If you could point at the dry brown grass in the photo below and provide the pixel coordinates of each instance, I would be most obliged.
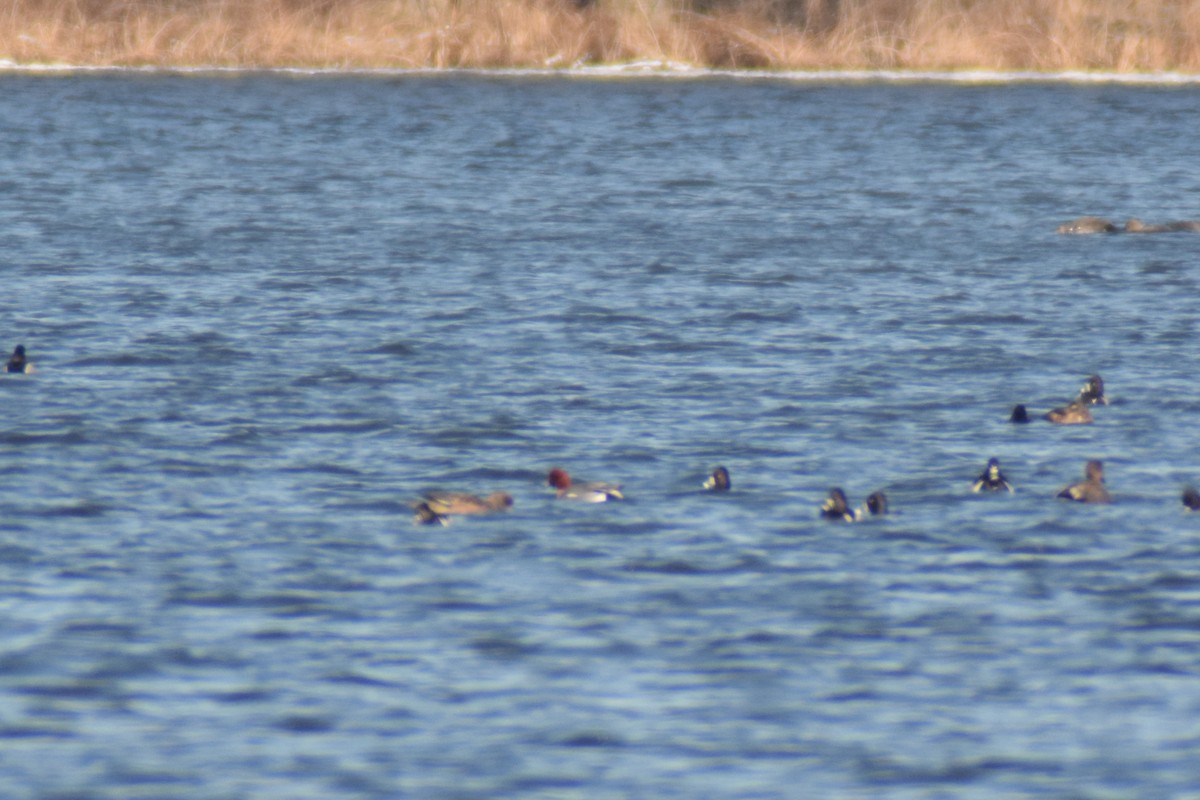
(1049, 35)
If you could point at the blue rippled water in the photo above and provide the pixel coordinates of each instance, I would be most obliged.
(268, 311)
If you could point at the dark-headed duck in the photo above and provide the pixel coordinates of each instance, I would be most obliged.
(1091, 489)
(1093, 391)
(718, 481)
(1191, 499)
(877, 504)
(586, 491)
(1019, 414)
(991, 479)
(435, 507)
(1074, 413)
(17, 362)
(835, 507)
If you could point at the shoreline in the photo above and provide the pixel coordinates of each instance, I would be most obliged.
(774, 37)
(649, 70)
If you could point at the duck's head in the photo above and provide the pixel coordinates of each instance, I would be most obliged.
(559, 479)
(1019, 414)
(1094, 471)
(19, 351)
(877, 503)
(1191, 499)
(718, 481)
(499, 500)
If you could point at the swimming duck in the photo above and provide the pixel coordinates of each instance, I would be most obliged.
(1074, 413)
(588, 492)
(991, 479)
(877, 504)
(1134, 225)
(1093, 391)
(1019, 414)
(718, 481)
(435, 507)
(18, 363)
(835, 507)
(1191, 499)
(1087, 225)
(1187, 225)
(1091, 489)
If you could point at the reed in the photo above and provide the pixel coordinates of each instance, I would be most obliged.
(1049, 35)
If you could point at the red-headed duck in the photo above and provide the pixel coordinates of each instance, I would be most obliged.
(586, 491)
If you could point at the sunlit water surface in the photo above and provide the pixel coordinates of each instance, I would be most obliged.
(269, 311)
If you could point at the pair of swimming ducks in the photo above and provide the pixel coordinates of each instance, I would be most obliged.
(1090, 490)
(1101, 225)
(1077, 412)
(438, 507)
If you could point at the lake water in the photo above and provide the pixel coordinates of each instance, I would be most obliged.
(268, 311)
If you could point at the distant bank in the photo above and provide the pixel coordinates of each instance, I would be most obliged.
(1121, 36)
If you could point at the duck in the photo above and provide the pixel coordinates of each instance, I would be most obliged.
(585, 491)
(1074, 413)
(1091, 489)
(17, 362)
(1019, 414)
(877, 504)
(1093, 391)
(718, 481)
(836, 508)
(435, 507)
(1191, 499)
(1135, 225)
(1087, 225)
(991, 479)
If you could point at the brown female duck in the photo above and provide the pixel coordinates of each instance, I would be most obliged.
(1091, 489)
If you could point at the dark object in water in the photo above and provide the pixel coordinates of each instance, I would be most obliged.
(718, 481)
(1093, 391)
